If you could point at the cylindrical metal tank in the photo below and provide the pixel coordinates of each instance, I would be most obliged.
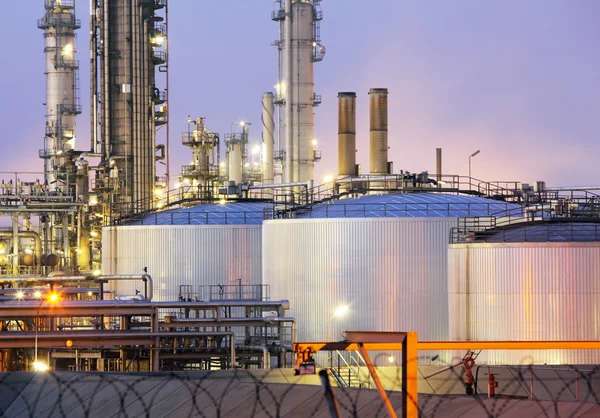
(235, 162)
(268, 132)
(383, 256)
(526, 291)
(346, 134)
(378, 131)
(202, 245)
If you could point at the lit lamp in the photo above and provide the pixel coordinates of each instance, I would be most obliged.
(338, 313)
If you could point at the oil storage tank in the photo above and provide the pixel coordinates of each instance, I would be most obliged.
(533, 282)
(381, 260)
(207, 244)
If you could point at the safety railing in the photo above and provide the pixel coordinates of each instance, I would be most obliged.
(195, 293)
(193, 218)
(362, 210)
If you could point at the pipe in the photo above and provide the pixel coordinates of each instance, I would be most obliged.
(284, 304)
(222, 322)
(149, 288)
(265, 351)
(289, 97)
(378, 131)
(346, 134)
(438, 166)
(281, 185)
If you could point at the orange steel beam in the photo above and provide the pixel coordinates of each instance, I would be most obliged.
(508, 345)
(452, 345)
(386, 401)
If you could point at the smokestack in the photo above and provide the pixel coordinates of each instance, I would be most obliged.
(346, 134)
(378, 131)
(438, 165)
(268, 132)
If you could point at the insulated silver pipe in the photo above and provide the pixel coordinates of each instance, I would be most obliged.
(149, 293)
(289, 96)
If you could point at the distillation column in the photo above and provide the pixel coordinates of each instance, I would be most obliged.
(59, 25)
(128, 95)
(268, 125)
(378, 131)
(300, 48)
(346, 134)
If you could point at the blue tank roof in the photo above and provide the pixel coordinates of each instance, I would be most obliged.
(231, 213)
(409, 205)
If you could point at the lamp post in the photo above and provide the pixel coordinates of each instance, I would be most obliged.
(471, 156)
(38, 366)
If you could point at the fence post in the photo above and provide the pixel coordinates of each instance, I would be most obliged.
(576, 385)
(531, 383)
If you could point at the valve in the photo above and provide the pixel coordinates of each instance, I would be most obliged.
(492, 384)
(468, 363)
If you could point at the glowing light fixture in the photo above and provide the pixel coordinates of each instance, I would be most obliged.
(341, 311)
(38, 366)
(20, 295)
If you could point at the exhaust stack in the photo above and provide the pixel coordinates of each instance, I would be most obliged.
(346, 134)
(378, 131)
(268, 126)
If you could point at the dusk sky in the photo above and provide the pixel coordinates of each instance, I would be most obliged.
(517, 79)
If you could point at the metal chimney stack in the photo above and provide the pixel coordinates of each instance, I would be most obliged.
(378, 131)
(438, 165)
(346, 134)
(268, 127)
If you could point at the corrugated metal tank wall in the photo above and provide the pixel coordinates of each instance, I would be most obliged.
(526, 291)
(183, 255)
(392, 273)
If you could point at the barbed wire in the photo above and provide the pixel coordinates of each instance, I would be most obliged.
(545, 391)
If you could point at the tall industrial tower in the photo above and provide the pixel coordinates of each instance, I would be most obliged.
(129, 41)
(299, 47)
(59, 25)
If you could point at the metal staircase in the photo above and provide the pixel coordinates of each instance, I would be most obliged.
(347, 372)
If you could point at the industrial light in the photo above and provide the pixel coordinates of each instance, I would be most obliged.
(90, 293)
(328, 179)
(247, 165)
(67, 49)
(177, 185)
(20, 295)
(391, 359)
(93, 201)
(158, 192)
(222, 201)
(160, 205)
(37, 294)
(93, 234)
(242, 124)
(78, 250)
(53, 297)
(314, 44)
(3, 251)
(39, 366)
(256, 149)
(97, 273)
(186, 181)
(341, 311)
(28, 251)
(314, 142)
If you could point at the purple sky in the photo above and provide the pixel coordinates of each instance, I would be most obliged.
(517, 79)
